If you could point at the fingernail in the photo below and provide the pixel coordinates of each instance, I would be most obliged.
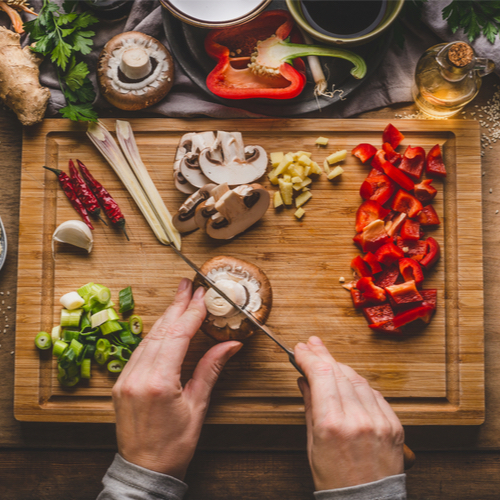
(183, 285)
(200, 292)
(302, 346)
(315, 340)
(236, 347)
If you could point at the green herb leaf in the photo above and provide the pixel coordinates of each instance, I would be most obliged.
(61, 53)
(82, 41)
(84, 94)
(84, 20)
(79, 112)
(66, 19)
(75, 75)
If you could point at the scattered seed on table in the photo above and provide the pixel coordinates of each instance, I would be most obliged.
(491, 190)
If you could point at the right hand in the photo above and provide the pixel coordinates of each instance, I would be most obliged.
(353, 435)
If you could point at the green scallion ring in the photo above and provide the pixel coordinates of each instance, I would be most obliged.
(135, 323)
(103, 345)
(115, 366)
(101, 356)
(43, 341)
(59, 347)
(85, 368)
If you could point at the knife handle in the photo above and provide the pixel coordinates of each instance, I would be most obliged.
(409, 457)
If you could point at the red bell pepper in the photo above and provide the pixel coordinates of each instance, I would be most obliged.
(413, 162)
(370, 291)
(373, 236)
(378, 188)
(392, 156)
(430, 297)
(389, 254)
(260, 66)
(360, 267)
(406, 203)
(428, 216)
(410, 230)
(389, 276)
(434, 164)
(424, 192)
(374, 264)
(357, 299)
(410, 270)
(385, 327)
(378, 314)
(404, 293)
(364, 151)
(378, 159)
(414, 249)
(393, 226)
(423, 312)
(432, 255)
(397, 176)
(367, 212)
(392, 135)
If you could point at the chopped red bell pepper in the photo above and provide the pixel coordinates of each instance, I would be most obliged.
(389, 254)
(367, 212)
(410, 230)
(430, 297)
(428, 216)
(359, 300)
(404, 293)
(378, 188)
(393, 226)
(364, 151)
(385, 327)
(374, 264)
(413, 162)
(397, 176)
(392, 135)
(370, 291)
(378, 314)
(410, 270)
(432, 255)
(373, 236)
(378, 159)
(406, 203)
(414, 249)
(392, 156)
(424, 192)
(434, 164)
(389, 276)
(421, 312)
(360, 267)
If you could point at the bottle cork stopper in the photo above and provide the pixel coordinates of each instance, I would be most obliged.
(460, 54)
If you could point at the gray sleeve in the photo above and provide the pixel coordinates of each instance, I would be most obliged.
(389, 488)
(126, 481)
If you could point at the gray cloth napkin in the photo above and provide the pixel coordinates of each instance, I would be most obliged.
(390, 84)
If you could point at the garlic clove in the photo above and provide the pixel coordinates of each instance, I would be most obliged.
(74, 232)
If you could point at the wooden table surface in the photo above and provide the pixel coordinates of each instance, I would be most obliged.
(67, 461)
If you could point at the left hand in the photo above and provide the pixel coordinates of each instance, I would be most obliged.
(158, 422)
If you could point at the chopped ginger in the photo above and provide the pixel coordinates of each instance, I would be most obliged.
(299, 213)
(335, 173)
(322, 141)
(276, 159)
(303, 198)
(277, 200)
(336, 157)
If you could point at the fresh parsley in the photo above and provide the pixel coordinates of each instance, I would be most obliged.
(64, 36)
(474, 17)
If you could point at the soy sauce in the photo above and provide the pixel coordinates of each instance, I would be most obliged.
(344, 17)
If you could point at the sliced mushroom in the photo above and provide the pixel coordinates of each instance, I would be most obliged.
(237, 210)
(228, 160)
(246, 285)
(184, 220)
(135, 71)
(183, 148)
(206, 209)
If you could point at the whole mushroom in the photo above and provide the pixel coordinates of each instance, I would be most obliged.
(246, 285)
(135, 71)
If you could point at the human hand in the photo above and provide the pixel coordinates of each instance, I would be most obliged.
(353, 435)
(158, 422)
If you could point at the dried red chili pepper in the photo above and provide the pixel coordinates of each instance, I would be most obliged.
(109, 205)
(84, 193)
(70, 192)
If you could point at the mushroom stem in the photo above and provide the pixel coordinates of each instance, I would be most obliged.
(135, 63)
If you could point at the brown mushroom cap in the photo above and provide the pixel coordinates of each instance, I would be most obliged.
(246, 329)
(149, 95)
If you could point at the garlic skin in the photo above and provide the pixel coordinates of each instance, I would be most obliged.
(73, 232)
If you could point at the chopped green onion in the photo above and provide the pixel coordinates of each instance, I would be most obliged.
(86, 323)
(43, 341)
(102, 316)
(101, 356)
(123, 353)
(72, 370)
(71, 318)
(127, 337)
(85, 368)
(103, 345)
(126, 299)
(69, 335)
(68, 382)
(89, 333)
(116, 366)
(76, 346)
(89, 353)
(56, 333)
(89, 339)
(85, 291)
(135, 323)
(96, 307)
(110, 327)
(101, 294)
(67, 358)
(59, 348)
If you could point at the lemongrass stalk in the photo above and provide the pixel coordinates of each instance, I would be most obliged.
(105, 143)
(128, 144)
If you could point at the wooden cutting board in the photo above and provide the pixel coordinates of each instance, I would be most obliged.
(433, 377)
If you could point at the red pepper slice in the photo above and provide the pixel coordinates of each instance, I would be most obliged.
(404, 293)
(397, 176)
(392, 135)
(414, 249)
(430, 297)
(392, 156)
(406, 203)
(358, 299)
(389, 276)
(434, 164)
(373, 237)
(370, 291)
(389, 254)
(411, 270)
(413, 162)
(378, 314)
(378, 159)
(393, 226)
(421, 312)
(432, 255)
(410, 230)
(424, 192)
(428, 216)
(378, 188)
(385, 327)
(360, 267)
(369, 211)
(364, 151)
(374, 264)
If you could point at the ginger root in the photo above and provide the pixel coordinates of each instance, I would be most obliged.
(20, 88)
